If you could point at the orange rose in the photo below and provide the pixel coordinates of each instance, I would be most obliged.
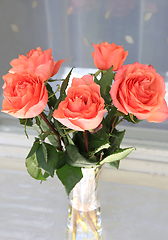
(25, 95)
(140, 90)
(106, 55)
(37, 61)
(83, 108)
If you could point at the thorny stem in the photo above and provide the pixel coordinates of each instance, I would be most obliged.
(112, 123)
(119, 122)
(51, 127)
(86, 141)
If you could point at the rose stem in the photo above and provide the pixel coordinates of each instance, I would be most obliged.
(86, 141)
(112, 123)
(97, 73)
(119, 122)
(51, 127)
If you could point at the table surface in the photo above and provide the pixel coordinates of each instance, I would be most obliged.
(30, 210)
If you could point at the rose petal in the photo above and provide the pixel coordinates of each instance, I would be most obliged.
(44, 71)
(98, 59)
(83, 108)
(56, 67)
(159, 115)
(38, 61)
(106, 55)
(139, 90)
(88, 124)
(67, 122)
(26, 96)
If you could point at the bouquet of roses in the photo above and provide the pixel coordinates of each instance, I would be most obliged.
(77, 127)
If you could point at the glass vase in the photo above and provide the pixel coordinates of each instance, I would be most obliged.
(84, 216)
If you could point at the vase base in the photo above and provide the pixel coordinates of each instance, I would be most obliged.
(84, 225)
(81, 236)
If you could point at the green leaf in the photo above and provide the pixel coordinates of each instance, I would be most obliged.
(115, 141)
(117, 137)
(47, 131)
(110, 116)
(26, 121)
(70, 141)
(62, 156)
(131, 118)
(32, 168)
(105, 85)
(32, 163)
(96, 142)
(46, 175)
(79, 141)
(69, 176)
(76, 159)
(102, 134)
(47, 158)
(53, 140)
(51, 100)
(120, 154)
(65, 82)
(63, 88)
(34, 148)
(105, 146)
(43, 124)
(114, 164)
(54, 159)
(44, 156)
(60, 128)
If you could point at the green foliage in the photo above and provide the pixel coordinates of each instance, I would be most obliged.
(105, 83)
(106, 80)
(32, 163)
(110, 116)
(114, 164)
(62, 132)
(69, 176)
(76, 159)
(26, 121)
(44, 131)
(33, 170)
(46, 158)
(63, 88)
(51, 96)
(131, 118)
(115, 140)
(96, 141)
(118, 155)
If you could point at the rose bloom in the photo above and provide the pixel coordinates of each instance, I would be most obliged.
(106, 55)
(140, 90)
(37, 61)
(25, 95)
(83, 108)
